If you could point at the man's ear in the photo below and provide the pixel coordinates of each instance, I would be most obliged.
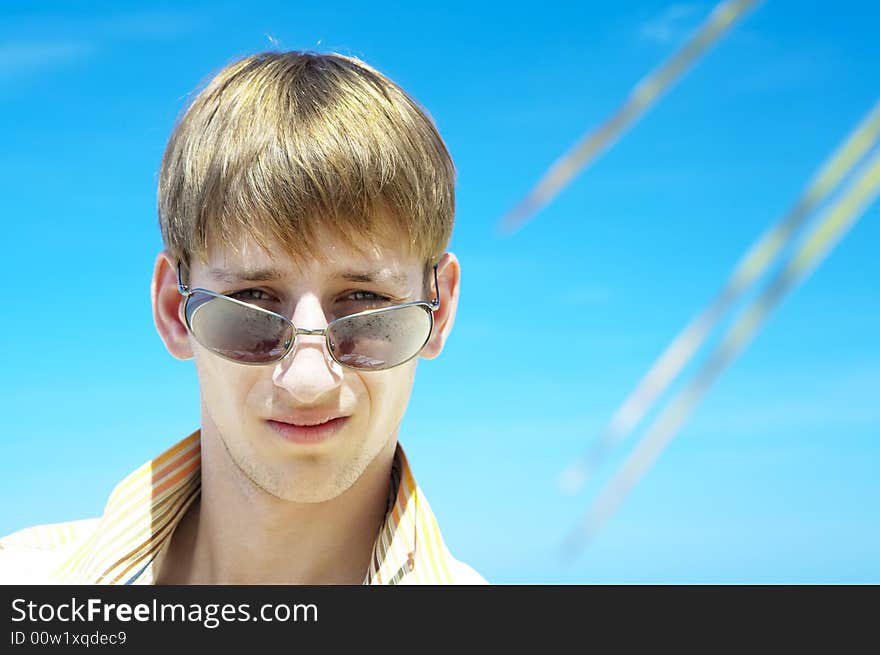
(449, 278)
(166, 307)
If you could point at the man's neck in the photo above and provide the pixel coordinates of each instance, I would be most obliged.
(236, 536)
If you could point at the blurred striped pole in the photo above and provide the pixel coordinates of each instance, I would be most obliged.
(842, 215)
(640, 99)
(751, 267)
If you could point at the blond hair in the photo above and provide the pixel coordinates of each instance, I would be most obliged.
(281, 144)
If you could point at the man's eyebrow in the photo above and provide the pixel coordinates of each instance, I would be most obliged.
(271, 275)
(400, 279)
(247, 275)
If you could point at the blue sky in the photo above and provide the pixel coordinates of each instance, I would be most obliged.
(773, 479)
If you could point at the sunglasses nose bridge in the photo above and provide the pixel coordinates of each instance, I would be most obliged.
(316, 333)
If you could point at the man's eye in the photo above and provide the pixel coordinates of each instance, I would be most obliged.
(248, 295)
(367, 296)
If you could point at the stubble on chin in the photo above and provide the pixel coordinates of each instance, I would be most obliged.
(252, 479)
(256, 479)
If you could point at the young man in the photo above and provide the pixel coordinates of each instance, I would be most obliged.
(305, 204)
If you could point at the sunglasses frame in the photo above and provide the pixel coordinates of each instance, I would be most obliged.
(430, 306)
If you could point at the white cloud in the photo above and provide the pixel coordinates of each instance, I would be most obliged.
(27, 58)
(832, 400)
(143, 25)
(41, 43)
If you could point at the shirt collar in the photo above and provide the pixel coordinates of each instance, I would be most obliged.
(146, 506)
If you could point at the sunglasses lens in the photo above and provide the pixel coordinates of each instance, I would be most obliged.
(382, 339)
(237, 331)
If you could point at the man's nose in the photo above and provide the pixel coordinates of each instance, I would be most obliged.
(308, 372)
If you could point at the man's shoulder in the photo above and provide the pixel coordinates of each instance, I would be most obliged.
(464, 574)
(28, 556)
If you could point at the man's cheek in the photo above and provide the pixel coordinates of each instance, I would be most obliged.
(222, 395)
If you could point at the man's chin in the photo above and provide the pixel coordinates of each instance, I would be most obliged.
(303, 477)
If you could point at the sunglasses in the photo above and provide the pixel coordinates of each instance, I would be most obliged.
(372, 340)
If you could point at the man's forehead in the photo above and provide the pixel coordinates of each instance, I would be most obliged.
(255, 265)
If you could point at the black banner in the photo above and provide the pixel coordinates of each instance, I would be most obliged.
(262, 617)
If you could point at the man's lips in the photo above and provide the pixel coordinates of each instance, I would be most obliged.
(308, 434)
(307, 419)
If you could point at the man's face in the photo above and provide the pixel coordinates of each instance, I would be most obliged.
(238, 399)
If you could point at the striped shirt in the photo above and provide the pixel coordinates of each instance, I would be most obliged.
(126, 545)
